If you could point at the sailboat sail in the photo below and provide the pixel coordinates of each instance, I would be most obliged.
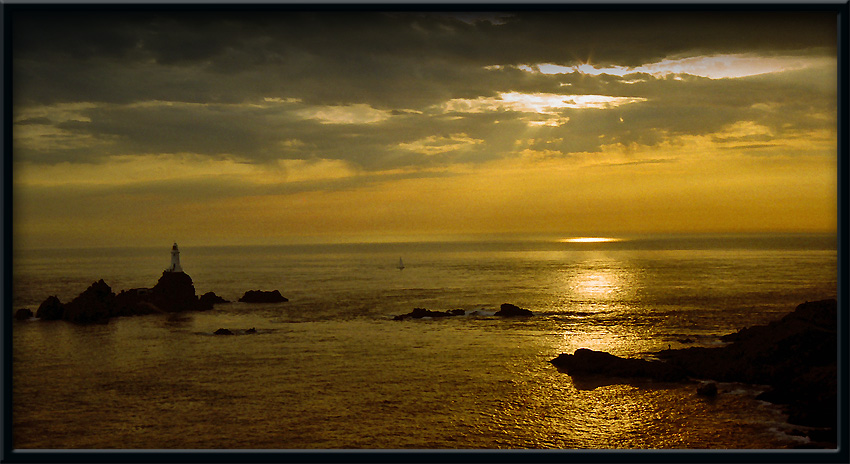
(400, 264)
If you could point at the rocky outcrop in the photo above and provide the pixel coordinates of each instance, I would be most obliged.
(23, 314)
(50, 309)
(207, 300)
(174, 292)
(260, 296)
(796, 356)
(95, 304)
(134, 302)
(509, 310)
(419, 313)
(223, 331)
(506, 310)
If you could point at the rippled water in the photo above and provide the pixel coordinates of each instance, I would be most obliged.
(331, 369)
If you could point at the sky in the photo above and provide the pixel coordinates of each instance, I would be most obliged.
(262, 127)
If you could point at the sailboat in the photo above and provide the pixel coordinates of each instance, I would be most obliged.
(400, 264)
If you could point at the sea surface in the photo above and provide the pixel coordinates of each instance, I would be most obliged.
(331, 369)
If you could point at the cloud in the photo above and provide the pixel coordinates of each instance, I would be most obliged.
(280, 103)
(712, 67)
(437, 144)
(348, 114)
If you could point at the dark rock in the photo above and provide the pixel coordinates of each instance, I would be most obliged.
(589, 362)
(259, 296)
(796, 356)
(134, 302)
(23, 314)
(95, 304)
(251, 331)
(50, 309)
(707, 389)
(419, 313)
(509, 310)
(207, 300)
(223, 331)
(174, 292)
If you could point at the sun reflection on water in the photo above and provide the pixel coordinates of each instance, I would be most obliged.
(599, 280)
(595, 284)
(597, 296)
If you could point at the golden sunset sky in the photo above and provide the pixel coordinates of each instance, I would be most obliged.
(226, 127)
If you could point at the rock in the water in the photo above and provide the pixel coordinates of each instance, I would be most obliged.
(509, 310)
(707, 389)
(95, 304)
(23, 314)
(174, 292)
(223, 331)
(419, 313)
(589, 362)
(260, 296)
(134, 302)
(251, 331)
(207, 300)
(50, 309)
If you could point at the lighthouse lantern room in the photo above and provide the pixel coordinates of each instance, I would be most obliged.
(175, 260)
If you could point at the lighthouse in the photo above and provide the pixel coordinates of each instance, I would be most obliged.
(175, 260)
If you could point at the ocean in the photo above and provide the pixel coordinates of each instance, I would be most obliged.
(331, 369)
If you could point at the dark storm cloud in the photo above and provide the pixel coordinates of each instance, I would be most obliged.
(215, 69)
(368, 51)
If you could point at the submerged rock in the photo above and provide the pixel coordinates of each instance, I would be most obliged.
(260, 296)
(223, 331)
(23, 314)
(509, 310)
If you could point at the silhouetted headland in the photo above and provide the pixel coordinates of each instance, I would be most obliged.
(795, 356)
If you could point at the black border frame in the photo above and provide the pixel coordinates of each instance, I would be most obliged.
(841, 454)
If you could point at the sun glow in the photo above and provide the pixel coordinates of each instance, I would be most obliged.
(589, 240)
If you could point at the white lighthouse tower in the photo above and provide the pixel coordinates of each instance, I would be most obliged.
(175, 260)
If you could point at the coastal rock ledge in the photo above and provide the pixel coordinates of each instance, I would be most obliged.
(795, 356)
